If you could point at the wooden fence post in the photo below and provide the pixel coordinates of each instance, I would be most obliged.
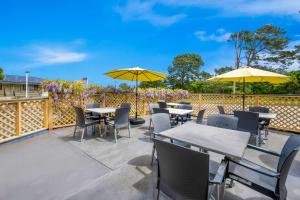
(104, 99)
(50, 113)
(256, 100)
(18, 118)
(46, 115)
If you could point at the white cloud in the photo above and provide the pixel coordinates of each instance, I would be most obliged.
(138, 10)
(58, 55)
(219, 36)
(51, 53)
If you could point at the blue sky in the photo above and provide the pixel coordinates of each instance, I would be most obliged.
(67, 39)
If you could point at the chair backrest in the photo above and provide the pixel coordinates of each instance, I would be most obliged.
(184, 102)
(288, 153)
(248, 121)
(200, 116)
(125, 105)
(80, 118)
(121, 117)
(161, 122)
(292, 143)
(92, 105)
(162, 104)
(259, 109)
(182, 173)
(223, 121)
(160, 110)
(185, 107)
(221, 109)
(151, 106)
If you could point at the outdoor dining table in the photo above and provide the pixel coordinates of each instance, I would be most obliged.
(105, 110)
(263, 115)
(231, 143)
(179, 112)
(102, 111)
(267, 115)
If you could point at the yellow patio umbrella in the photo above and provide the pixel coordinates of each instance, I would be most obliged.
(249, 75)
(136, 74)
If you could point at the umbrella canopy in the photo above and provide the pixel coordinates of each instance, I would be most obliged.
(136, 74)
(250, 75)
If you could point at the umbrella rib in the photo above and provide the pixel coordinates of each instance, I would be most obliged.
(120, 74)
(146, 76)
(155, 74)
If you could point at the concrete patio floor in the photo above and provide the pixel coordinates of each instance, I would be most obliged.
(54, 165)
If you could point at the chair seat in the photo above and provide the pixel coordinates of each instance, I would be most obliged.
(257, 178)
(89, 122)
(95, 117)
(112, 123)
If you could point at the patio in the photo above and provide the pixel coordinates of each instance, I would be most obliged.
(54, 165)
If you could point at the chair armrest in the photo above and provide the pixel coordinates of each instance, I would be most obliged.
(257, 168)
(268, 151)
(221, 172)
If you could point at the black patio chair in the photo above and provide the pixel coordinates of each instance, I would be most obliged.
(162, 104)
(249, 122)
(184, 173)
(121, 120)
(200, 116)
(126, 105)
(174, 119)
(264, 122)
(92, 115)
(221, 110)
(186, 107)
(161, 122)
(151, 106)
(223, 121)
(160, 110)
(82, 122)
(268, 182)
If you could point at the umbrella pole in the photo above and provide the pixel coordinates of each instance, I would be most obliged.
(244, 94)
(136, 96)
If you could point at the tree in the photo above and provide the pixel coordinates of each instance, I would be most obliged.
(1, 74)
(255, 48)
(153, 84)
(124, 86)
(223, 70)
(204, 75)
(185, 70)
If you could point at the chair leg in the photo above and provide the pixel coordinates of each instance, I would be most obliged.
(129, 130)
(230, 185)
(75, 131)
(115, 132)
(158, 191)
(153, 151)
(82, 133)
(150, 124)
(105, 130)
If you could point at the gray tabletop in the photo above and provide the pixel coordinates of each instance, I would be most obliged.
(102, 110)
(176, 111)
(227, 142)
(267, 115)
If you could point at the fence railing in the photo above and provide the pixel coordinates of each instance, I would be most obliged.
(22, 117)
(25, 116)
